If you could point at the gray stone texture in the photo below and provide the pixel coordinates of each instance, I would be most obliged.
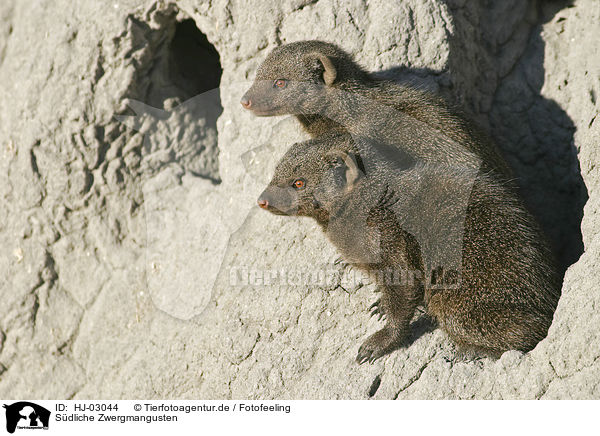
(128, 187)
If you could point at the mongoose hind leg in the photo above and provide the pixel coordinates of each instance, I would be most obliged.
(486, 328)
(398, 308)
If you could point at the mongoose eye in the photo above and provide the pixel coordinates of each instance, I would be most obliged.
(280, 83)
(298, 184)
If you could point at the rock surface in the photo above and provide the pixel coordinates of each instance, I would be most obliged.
(135, 264)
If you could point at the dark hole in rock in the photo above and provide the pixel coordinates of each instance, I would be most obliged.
(195, 62)
(180, 92)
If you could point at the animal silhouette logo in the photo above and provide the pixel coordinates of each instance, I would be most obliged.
(26, 415)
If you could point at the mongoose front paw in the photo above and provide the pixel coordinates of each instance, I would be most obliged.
(376, 311)
(379, 344)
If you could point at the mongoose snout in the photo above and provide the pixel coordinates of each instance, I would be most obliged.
(268, 97)
(279, 201)
(256, 100)
(246, 102)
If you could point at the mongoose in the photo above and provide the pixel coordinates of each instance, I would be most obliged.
(505, 291)
(326, 90)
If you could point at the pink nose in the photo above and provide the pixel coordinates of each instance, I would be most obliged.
(263, 204)
(246, 102)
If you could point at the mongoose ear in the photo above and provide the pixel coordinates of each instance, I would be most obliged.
(323, 62)
(353, 172)
(330, 72)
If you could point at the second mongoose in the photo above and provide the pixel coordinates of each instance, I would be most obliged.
(500, 291)
(326, 90)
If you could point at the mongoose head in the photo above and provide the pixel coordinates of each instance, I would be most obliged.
(295, 78)
(312, 179)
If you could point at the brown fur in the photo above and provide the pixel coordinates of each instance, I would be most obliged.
(416, 219)
(326, 90)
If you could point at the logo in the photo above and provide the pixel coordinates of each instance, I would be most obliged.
(26, 415)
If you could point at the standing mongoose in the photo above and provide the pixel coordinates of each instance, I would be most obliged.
(326, 90)
(505, 291)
